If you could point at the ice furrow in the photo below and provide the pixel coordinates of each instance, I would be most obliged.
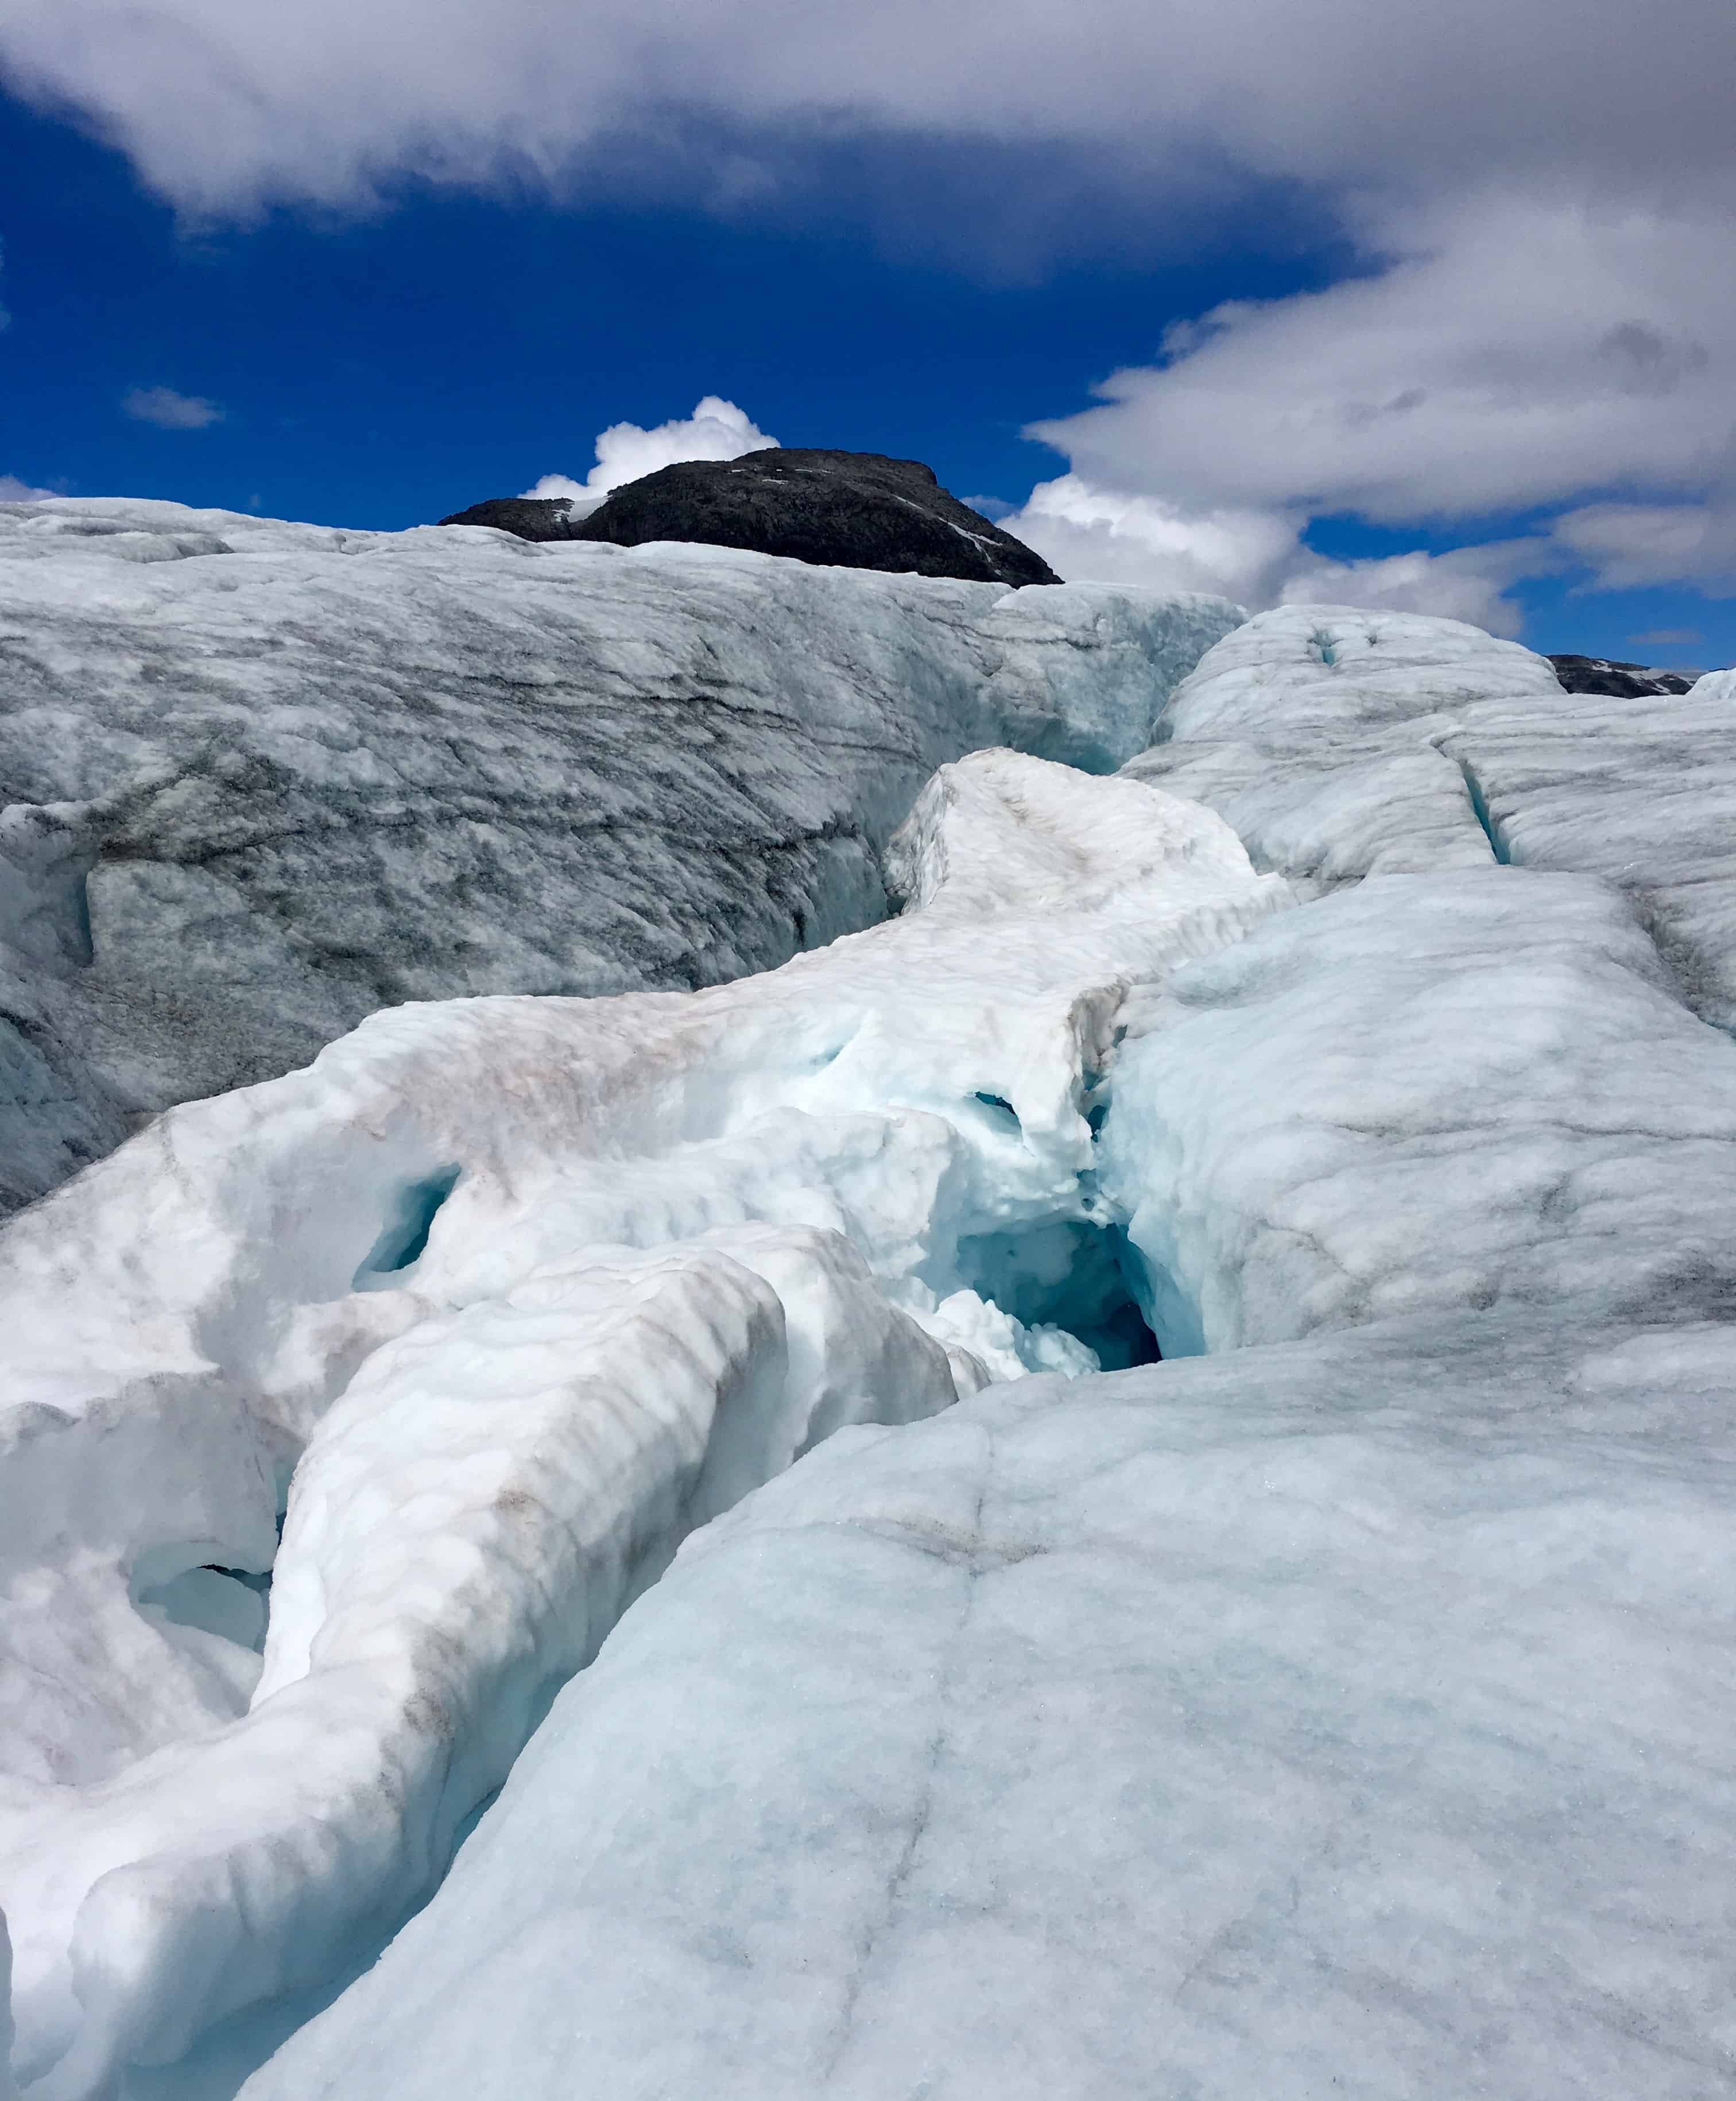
(512, 1294)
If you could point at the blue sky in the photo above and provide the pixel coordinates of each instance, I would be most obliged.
(1402, 370)
(381, 369)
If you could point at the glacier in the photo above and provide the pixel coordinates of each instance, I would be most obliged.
(504, 1296)
(735, 1630)
(1345, 1716)
(1342, 744)
(263, 779)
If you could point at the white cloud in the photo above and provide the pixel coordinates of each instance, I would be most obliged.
(716, 430)
(225, 103)
(1511, 357)
(1259, 558)
(1465, 583)
(1629, 546)
(170, 411)
(12, 490)
(1511, 354)
(1088, 530)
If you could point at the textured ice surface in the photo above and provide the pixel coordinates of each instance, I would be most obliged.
(1340, 744)
(258, 780)
(521, 1290)
(1341, 1706)
(1345, 1717)
(1346, 1714)
(1466, 1090)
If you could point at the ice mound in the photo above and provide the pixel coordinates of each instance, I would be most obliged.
(509, 1295)
(1340, 744)
(1344, 1713)
(1338, 1705)
(259, 779)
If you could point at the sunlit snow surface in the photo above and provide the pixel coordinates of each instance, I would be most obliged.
(1341, 1706)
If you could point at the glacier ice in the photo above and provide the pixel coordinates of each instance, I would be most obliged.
(1427, 744)
(1339, 1705)
(1343, 1710)
(1422, 1093)
(509, 1294)
(1345, 1716)
(261, 779)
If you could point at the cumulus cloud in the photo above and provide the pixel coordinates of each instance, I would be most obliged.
(1260, 559)
(716, 430)
(1511, 357)
(1464, 583)
(1511, 353)
(1095, 530)
(170, 411)
(12, 490)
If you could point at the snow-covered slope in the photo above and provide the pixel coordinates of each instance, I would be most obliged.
(258, 780)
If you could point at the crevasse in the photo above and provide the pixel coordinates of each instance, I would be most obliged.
(504, 1297)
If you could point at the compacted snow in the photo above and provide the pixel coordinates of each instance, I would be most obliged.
(261, 779)
(1339, 1705)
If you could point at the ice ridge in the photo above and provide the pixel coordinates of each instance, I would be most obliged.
(661, 1394)
(682, 1238)
(260, 779)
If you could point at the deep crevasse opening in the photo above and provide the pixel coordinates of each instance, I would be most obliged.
(1070, 1274)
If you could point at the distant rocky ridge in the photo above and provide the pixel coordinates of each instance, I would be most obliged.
(1624, 682)
(852, 510)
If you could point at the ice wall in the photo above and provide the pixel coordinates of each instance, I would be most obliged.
(259, 779)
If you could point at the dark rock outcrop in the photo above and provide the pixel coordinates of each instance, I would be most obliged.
(1625, 682)
(529, 517)
(853, 510)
